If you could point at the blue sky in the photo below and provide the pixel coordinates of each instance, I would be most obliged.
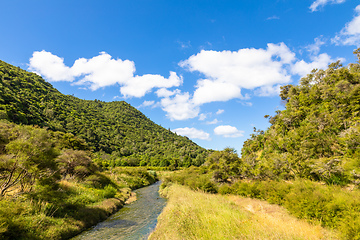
(209, 70)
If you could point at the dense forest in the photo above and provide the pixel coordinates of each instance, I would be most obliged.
(119, 134)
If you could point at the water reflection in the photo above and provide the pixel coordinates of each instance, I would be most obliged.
(134, 221)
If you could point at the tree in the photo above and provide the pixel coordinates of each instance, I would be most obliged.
(75, 163)
(29, 157)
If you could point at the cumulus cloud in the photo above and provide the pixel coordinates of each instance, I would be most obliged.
(100, 71)
(227, 72)
(212, 91)
(321, 3)
(350, 34)
(192, 133)
(51, 67)
(138, 86)
(180, 107)
(224, 75)
(267, 91)
(303, 68)
(228, 131)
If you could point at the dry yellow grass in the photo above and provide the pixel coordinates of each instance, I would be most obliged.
(197, 215)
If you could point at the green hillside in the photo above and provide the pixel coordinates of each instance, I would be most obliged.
(317, 136)
(119, 133)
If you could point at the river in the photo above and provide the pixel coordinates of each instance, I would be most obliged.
(133, 221)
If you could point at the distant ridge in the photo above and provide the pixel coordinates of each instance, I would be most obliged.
(114, 128)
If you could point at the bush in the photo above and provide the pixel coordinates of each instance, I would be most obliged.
(109, 192)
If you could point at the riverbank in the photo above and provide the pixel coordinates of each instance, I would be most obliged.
(73, 207)
(197, 215)
(132, 222)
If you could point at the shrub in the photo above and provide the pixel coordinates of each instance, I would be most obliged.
(109, 192)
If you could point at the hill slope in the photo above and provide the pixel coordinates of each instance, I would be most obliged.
(114, 128)
(317, 136)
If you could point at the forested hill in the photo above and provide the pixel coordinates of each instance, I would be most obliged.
(115, 128)
(317, 136)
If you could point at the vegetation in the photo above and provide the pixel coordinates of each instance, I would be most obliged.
(59, 174)
(308, 160)
(120, 134)
(316, 136)
(331, 206)
(50, 191)
(197, 215)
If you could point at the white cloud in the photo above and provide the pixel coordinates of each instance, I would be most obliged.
(163, 92)
(192, 133)
(314, 48)
(100, 71)
(202, 116)
(138, 86)
(50, 66)
(228, 131)
(212, 91)
(273, 18)
(147, 104)
(267, 91)
(350, 34)
(303, 68)
(220, 111)
(318, 61)
(180, 107)
(224, 76)
(320, 3)
(215, 121)
(184, 44)
(248, 104)
(228, 72)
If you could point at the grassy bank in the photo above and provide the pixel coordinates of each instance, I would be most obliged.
(70, 209)
(331, 206)
(197, 215)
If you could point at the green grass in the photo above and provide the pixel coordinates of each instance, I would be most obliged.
(331, 206)
(197, 215)
(72, 208)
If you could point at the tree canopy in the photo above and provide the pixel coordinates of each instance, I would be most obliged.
(317, 136)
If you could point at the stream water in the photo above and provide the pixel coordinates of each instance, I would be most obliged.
(133, 221)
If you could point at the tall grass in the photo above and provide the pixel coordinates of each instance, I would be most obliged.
(331, 206)
(75, 206)
(198, 215)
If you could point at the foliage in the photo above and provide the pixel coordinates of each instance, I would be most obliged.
(51, 192)
(134, 177)
(27, 158)
(316, 136)
(122, 135)
(331, 206)
(197, 215)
